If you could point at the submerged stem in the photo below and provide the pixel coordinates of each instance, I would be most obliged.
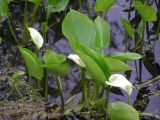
(34, 14)
(129, 99)
(10, 92)
(32, 87)
(12, 32)
(144, 114)
(58, 80)
(46, 86)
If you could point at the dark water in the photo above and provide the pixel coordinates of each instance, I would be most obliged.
(117, 36)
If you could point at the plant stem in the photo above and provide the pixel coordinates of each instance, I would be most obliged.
(148, 82)
(129, 99)
(107, 96)
(25, 33)
(82, 84)
(21, 84)
(12, 32)
(46, 86)
(32, 87)
(156, 37)
(58, 80)
(34, 14)
(10, 92)
(80, 5)
(144, 114)
(97, 90)
(89, 10)
(86, 96)
(19, 93)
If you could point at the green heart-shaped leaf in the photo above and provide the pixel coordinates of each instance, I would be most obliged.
(122, 111)
(78, 27)
(33, 63)
(147, 12)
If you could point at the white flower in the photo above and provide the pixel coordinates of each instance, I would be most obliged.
(36, 37)
(118, 80)
(76, 59)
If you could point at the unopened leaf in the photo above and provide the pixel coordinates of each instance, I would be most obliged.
(17, 74)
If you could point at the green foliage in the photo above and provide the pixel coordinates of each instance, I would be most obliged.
(97, 57)
(101, 103)
(128, 27)
(44, 27)
(93, 68)
(33, 64)
(36, 2)
(3, 8)
(78, 27)
(57, 5)
(116, 65)
(55, 62)
(122, 111)
(147, 12)
(125, 56)
(17, 74)
(102, 33)
(103, 5)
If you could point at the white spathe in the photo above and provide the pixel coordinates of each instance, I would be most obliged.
(76, 59)
(36, 37)
(118, 80)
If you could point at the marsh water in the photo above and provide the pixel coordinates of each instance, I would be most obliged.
(146, 98)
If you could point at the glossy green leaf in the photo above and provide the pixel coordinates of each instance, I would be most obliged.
(147, 12)
(33, 63)
(122, 111)
(97, 57)
(93, 68)
(36, 2)
(57, 5)
(103, 5)
(3, 8)
(52, 57)
(116, 65)
(55, 62)
(78, 27)
(128, 27)
(102, 33)
(59, 69)
(125, 56)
